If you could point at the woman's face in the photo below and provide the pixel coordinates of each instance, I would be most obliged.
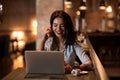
(58, 27)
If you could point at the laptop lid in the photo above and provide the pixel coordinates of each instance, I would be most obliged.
(44, 62)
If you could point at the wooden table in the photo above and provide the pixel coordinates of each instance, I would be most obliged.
(20, 73)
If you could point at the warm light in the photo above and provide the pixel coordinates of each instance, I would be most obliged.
(18, 38)
(18, 62)
(15, 44)
(15, 34)
(1, 7)
(34, 24)
(21, 44)
(84, 0)
(20, 58)
(109, 9)
(83, 5)
(83, 8)
(18, 34)
(77, 12)
(77, 20)
(68, 4)
(102, 7)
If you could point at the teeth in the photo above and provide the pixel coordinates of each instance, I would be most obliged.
(58, 32)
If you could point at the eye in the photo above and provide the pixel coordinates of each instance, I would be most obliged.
(54, 25)
(62, 25)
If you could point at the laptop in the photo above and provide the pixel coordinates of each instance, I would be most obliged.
(44, 64)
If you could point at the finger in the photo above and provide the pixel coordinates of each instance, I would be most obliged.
(65, 63)
(48, 30)
(68, 67)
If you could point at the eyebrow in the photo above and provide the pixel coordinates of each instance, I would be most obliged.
(60, 24)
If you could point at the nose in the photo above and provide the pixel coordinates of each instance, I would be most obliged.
(59, 27)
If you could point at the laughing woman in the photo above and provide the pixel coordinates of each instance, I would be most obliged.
(62, 37)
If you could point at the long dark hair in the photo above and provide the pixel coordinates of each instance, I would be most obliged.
(70, 35)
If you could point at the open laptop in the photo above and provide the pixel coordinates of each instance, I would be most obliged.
(44, 64)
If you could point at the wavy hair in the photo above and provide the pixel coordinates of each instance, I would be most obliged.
(70, 35)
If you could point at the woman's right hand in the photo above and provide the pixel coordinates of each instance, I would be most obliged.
(47, 34)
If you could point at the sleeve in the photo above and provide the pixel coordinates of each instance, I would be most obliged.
(48, 44)
(82, 54)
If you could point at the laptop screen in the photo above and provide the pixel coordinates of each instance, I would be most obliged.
(44, 62)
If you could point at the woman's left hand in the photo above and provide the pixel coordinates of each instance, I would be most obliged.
(68, 67)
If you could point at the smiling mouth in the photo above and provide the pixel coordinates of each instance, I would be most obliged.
(59, 33)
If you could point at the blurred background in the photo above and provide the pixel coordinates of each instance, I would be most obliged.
(100, 19)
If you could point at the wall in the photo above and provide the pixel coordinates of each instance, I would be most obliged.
(17, 16)
(44, 8)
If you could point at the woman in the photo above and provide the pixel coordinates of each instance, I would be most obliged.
(61, 37)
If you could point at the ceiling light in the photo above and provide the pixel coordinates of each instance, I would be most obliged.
(83, 5)
(102, 5)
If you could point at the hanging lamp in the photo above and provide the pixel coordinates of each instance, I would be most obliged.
(102, 5)
(83, 5)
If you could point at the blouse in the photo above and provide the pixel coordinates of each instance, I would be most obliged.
(70, 52)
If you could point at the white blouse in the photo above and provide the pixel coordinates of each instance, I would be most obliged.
(70, 53)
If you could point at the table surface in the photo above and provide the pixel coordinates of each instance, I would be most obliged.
(19, 74)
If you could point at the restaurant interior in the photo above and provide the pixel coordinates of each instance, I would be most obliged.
(21, 26)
